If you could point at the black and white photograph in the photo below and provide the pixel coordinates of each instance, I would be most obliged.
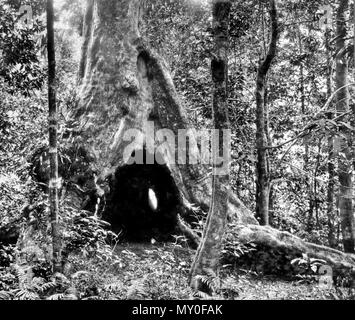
(177, 157)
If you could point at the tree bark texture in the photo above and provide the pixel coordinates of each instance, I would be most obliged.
(209, 251)
(276, 249)
(124, 84)
(262, 170)
(345, 154)
(53, 149)
(331, 159)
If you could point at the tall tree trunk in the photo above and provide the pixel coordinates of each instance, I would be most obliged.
(262, 172)
(305, 140)
(345, 154)
(208, 253)
(53, 150)
(310, 196)
(353, 105)
(331, 159)
(125, 86)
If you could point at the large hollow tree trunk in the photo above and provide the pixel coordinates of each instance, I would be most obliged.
(124, 84)
(262, 170)
(209, 251)
(345, 152)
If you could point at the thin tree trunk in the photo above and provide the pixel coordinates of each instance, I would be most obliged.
(272, 203)
(53, 150)
(331, 159)
(310, 189)
(315, 184)
(353, 105)
(344, 157)
(263, 179)
(208, 253)
(305, 140)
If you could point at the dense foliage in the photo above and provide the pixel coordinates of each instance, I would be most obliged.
(180, 30)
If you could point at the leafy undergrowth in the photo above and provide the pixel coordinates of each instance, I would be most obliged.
(264, 288)
(160, 271)
(144, 271)
(151, 271)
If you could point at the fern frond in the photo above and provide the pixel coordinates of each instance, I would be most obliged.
(210, 280)
(115, 286)
(137, 289)
(46, 286)
(21, 275)
(5, 295)
(24, 294)
(57, 296)
(201, 295)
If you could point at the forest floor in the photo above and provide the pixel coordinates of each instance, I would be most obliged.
(160, 271)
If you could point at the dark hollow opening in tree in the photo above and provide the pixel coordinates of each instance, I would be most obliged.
(143, 202)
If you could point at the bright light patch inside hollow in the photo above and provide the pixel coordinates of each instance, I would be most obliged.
(153, 201)
(143, 202)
